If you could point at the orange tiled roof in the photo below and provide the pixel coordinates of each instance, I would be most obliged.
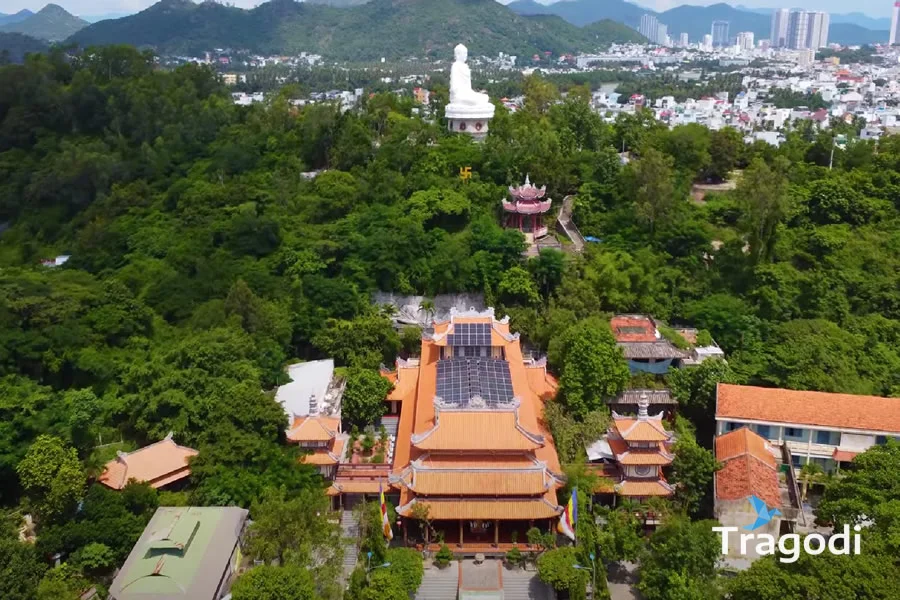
(313, 429)
(841, 411)
(844, 455)
(638, 430)
(325, 456)
(626, 328)
(358, 487)
(502, 509)
(634, 487)
(405, 380)
(744, 441)
(744, 476)
(486, 430)
(158, 464)
(500, 482)
(638, 456)
(748, 467)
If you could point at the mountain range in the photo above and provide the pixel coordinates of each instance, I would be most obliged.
(696, 21)
(380, 28)
(15, 18)
(14, 46)
(52, 23)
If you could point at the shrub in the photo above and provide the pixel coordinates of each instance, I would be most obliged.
(515, 557)
(443, 556)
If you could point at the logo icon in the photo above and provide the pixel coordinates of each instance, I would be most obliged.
(763, 513)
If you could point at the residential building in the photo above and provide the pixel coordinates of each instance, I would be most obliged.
(780, 24)
(817, 30)
(645, 348)
(631, 456)
(649, 27)
(798, 30)
(824, 428)
(185, 553)
(745, 40)
(719, 32)
(684, 41)
(894, 37)
(471, 445)
(161, 464)
(662, 35)
(750, 468)
(707, 43)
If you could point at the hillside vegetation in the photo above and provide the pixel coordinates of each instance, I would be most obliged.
(52, 23)
(381, 28)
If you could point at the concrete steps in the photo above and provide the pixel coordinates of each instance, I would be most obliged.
(524, 585)
(439, 584)
(350, 533)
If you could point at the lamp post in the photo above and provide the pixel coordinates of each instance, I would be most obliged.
(593, 570)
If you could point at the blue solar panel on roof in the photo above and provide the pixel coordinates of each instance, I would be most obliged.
(461, 379)
(470, 334)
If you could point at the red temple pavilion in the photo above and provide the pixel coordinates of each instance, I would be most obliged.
(525, 211)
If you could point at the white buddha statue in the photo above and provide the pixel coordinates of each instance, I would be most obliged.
(463, 99)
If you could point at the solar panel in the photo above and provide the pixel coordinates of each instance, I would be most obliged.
(470, 334)
(461, 379)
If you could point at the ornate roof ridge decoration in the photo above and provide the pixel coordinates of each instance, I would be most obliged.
(528, 191)
(657, 417)
(417, 465)
(659, 451)
(318, 420)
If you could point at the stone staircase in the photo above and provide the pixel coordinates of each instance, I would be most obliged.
(439, 584)
(350, 533)
(390, 423)
(565, 222)
(524, 585)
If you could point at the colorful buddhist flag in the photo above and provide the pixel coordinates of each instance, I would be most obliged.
(570, 515)
(385, 523)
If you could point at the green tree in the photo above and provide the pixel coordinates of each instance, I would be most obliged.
(407, 567)
(21, 568)
(557, 569)
(592, 366)
(649, 181)
(266, 582)
(725, 148)
(693, 469)
(62, 583)
(762, 196)
(52, 477)
(681, 561)
(517, 287)
(364, 395)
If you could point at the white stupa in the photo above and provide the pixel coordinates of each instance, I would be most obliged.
(469, 111)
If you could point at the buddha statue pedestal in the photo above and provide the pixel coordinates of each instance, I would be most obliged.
(469, 111)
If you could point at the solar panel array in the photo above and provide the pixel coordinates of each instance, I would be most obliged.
(470, 334)
(461, 379)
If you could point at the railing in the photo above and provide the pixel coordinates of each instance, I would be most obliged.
(793, 488)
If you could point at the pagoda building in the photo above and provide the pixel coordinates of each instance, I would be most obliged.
(632, 455)
(526, 209)
(471, 447)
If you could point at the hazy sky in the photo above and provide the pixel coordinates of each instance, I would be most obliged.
(874, 8)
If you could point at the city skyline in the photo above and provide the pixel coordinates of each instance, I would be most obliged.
(871, 8)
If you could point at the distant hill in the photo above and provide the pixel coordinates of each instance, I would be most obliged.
(849, 34)
(583, 12)
(863, 20)
(52, 23)
(15, 18)
(14, 47)
(697, 20)
(104, 17)
(338, 3)
(389, 28)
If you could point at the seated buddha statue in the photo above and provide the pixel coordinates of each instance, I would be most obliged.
(462, 97)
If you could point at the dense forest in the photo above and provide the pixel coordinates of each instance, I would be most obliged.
(202, 260)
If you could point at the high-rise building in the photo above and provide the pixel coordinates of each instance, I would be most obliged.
(745, 40)
(648, 28)
(798, 30)
(817, 30)
(719, 33)
(895, 25)
(779, 36)
(707, 43)
(685, 42)
(662, 34)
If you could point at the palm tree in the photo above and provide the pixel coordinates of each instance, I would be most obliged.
(427, 306)
(809, 473)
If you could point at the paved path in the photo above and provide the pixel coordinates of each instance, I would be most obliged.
(622, 577)
(350, 533)
(568, 226)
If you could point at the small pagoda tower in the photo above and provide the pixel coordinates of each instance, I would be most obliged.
(526, 209)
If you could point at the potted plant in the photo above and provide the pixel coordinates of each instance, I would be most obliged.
(443, 557)
(514, 558)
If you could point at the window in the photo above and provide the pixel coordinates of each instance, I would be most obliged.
(824, 437)
(763, 431)
(731, 426)
(881, 440)
(797, 460)
(795, 434)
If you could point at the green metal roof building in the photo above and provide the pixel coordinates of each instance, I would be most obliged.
(184, 553)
